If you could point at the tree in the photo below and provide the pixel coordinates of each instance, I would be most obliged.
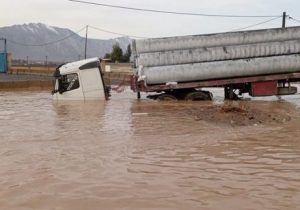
(127, 55)
(117, 53)
(107, 56)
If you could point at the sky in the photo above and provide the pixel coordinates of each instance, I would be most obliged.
(66, 14)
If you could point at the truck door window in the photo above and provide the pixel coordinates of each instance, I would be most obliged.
(68, 82)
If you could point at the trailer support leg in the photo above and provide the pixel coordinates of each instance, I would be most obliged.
(139, 95)
(229, 94)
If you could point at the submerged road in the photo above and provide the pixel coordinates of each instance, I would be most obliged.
(129, 154)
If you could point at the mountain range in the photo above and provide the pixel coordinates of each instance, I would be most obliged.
(38, 40)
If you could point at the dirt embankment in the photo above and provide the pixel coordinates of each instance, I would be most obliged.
(233, 115)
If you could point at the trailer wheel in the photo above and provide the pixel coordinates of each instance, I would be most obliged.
(199, 96)
(166, 97)
(287, 90)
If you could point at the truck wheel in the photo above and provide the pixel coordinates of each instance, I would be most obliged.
(166, 97)
(199, 96)
(287, 90)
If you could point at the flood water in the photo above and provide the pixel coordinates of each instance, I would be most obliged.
(129, 154)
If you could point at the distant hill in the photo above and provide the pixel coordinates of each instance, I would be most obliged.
(69, 49)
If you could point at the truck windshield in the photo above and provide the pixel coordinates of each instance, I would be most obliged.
(68, 82)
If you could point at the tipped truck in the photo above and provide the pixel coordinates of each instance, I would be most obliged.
(259, 62)
(81, 80)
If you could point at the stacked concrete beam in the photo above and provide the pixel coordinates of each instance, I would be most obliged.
(201, 57)
(215, 40)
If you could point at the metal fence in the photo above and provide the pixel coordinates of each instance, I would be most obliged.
(28, 62)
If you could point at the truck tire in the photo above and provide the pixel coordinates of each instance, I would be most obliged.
(166, 97)
(199, 96)
(287, 91)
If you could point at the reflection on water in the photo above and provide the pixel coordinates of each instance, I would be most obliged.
(129, 154)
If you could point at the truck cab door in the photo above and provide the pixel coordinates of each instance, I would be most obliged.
(92, 84)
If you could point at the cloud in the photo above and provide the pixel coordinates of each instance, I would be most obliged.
(64, 13)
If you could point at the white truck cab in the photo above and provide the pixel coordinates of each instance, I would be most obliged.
(80, 80)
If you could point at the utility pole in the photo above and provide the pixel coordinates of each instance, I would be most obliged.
(5, 46)
(86, 39)
(283, 19)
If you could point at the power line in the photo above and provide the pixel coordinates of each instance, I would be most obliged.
(116, 33)
(47, 43)
(131, 36)
(174, 12)
(140, 37)
(294, 19)
(257, 24)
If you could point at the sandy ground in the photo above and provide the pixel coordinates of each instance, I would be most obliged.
(235, 115)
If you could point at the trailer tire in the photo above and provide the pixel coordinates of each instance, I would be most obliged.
(199, 96)
(166, 97)
(287, 91)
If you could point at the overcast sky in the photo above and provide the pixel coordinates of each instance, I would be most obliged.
(66, 14)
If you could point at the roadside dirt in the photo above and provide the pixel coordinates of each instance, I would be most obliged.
(234, 115)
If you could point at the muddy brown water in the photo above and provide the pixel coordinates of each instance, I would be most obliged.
(129, 154)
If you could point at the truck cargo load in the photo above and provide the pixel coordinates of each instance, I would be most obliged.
(217, 56)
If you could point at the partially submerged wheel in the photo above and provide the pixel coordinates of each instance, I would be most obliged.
(287, 90)
(199, 96)
(166, 97)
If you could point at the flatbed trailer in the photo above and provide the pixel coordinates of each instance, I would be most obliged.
(263, 85)
(260, 62)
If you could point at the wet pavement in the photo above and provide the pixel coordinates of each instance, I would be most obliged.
(130, 154)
